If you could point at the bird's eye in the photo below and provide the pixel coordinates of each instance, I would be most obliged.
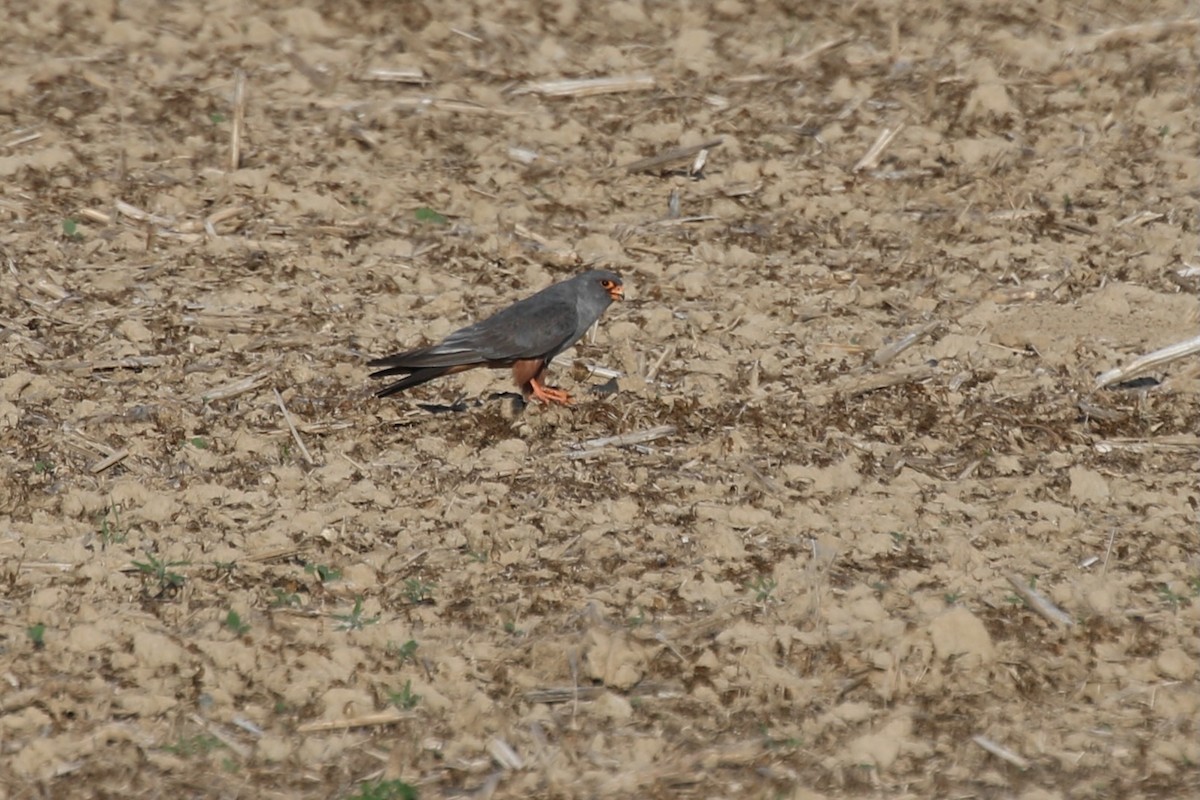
(607, 284)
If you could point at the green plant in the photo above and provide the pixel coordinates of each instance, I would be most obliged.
(199, 745)
(233, 621)
(1017, 600)
(70, 229)
(216, 117)
(284, 599)
(37, 635)
(786, 743)
(110, 532)
(405, 699)
(418, 592)
(197, 442)
(429, 217)
(42, 467)
(355, 621)
(161, 571)
(762, 587)
(1171, 597)
(405, 652)
(385, 790)
(324, 573)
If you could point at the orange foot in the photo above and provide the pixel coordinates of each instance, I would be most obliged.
(548, 394)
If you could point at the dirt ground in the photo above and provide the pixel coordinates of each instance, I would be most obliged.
(867, 384)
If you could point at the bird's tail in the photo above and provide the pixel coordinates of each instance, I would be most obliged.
(413, 377)
(422, 365)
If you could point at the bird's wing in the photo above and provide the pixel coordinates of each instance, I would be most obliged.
(536, 327)
(533, 328)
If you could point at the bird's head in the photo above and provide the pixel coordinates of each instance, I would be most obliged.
(612, 285)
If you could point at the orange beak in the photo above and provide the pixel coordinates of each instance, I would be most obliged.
(617, 292)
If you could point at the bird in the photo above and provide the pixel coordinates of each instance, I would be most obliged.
(525, 336)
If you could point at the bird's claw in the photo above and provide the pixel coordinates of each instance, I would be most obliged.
(548, 394)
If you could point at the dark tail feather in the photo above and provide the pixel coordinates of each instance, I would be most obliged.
(415, 377)
(394, 364)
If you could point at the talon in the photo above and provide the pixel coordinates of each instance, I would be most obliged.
(548, 394)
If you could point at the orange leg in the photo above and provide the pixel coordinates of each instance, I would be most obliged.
(526, 373)
(548, 394)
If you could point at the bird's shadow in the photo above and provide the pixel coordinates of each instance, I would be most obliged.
(461, 406)
(605, 389)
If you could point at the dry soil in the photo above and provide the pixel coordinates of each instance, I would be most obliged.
(873, 375)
